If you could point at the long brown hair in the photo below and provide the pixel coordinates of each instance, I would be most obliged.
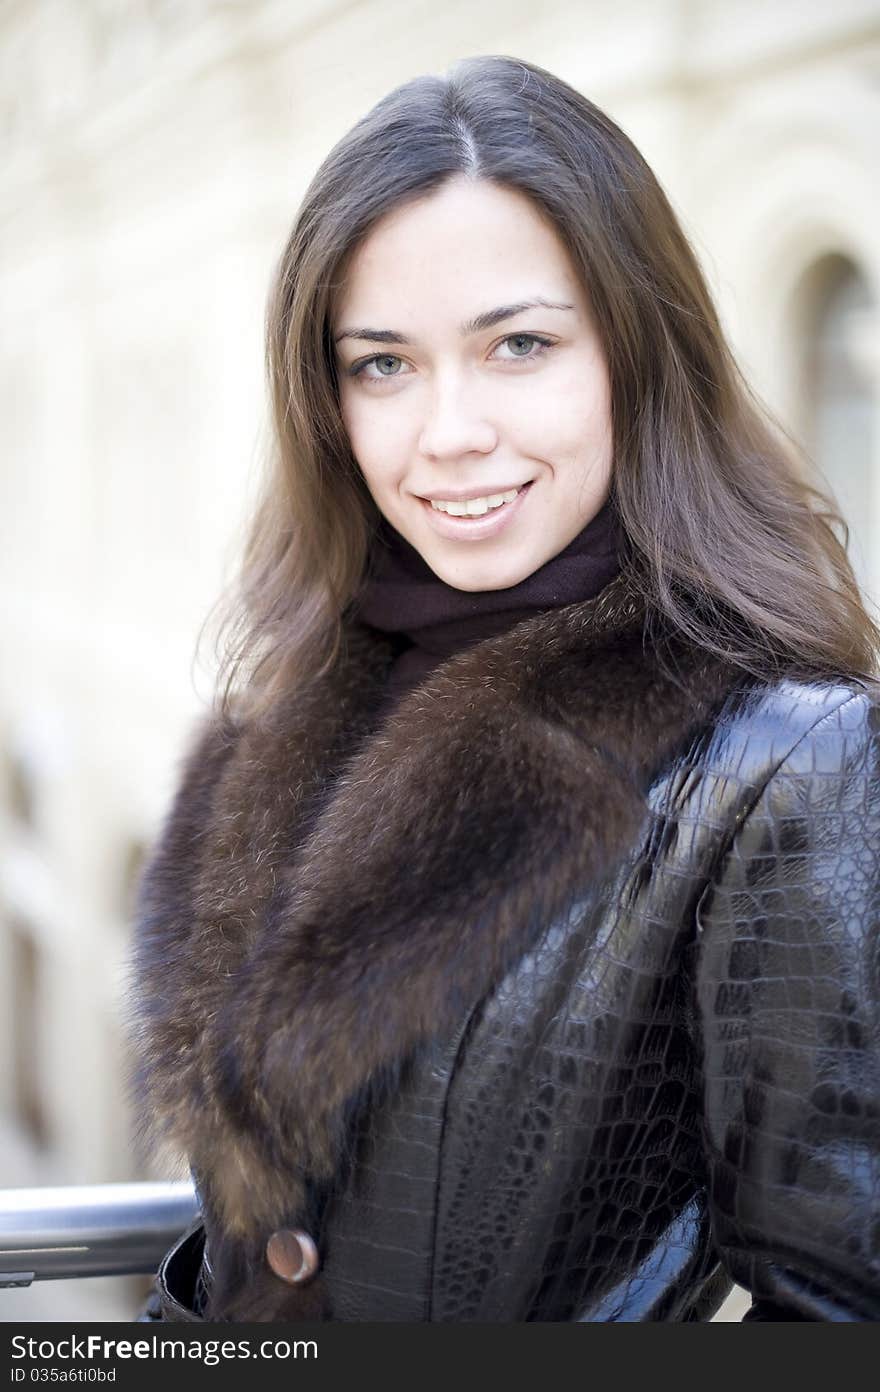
(731, 544)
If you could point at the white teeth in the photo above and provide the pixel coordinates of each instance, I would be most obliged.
(475, 507)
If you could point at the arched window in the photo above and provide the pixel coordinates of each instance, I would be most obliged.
(838, 328)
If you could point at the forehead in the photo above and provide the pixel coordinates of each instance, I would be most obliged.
(468, 242)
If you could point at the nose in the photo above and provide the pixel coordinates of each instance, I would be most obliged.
(455, 422)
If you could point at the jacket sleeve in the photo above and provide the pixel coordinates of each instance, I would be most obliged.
(787, 966)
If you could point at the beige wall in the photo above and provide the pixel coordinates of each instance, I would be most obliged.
(154, 156)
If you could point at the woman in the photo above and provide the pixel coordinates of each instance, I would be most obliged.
(509, 951)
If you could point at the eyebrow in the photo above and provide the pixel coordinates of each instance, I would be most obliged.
(487, 320)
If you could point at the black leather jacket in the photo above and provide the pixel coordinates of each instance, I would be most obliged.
(678, 1088)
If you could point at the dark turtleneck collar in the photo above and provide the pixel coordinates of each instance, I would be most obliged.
(433, 620)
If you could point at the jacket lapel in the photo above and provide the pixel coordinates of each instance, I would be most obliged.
(332, 890)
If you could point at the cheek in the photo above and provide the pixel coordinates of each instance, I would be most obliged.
(350, 415)
(580, 426)
(361, 434)
(380, 440)
(569, 415)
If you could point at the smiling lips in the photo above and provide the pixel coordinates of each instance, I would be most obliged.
(474, 507)
(476, 527)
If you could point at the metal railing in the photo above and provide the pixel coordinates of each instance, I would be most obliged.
(53, 1234)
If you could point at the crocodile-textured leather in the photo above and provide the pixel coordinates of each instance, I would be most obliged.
(677, 1088)
(178, 1293)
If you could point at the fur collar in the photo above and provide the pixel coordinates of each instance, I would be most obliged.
(332, 890)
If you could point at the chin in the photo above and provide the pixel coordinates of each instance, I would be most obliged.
(492, 578)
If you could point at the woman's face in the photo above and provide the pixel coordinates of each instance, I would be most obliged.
(469, 367)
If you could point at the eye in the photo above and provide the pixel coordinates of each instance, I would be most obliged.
(528, 339)
(389, 365)
(382, 361)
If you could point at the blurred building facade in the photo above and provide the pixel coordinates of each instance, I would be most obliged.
(154, 156)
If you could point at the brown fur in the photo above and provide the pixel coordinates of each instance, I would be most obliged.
(332, 889)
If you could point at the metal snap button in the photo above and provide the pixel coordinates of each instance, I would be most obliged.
(292, 1255)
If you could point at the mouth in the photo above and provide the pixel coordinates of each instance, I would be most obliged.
(477, 527)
